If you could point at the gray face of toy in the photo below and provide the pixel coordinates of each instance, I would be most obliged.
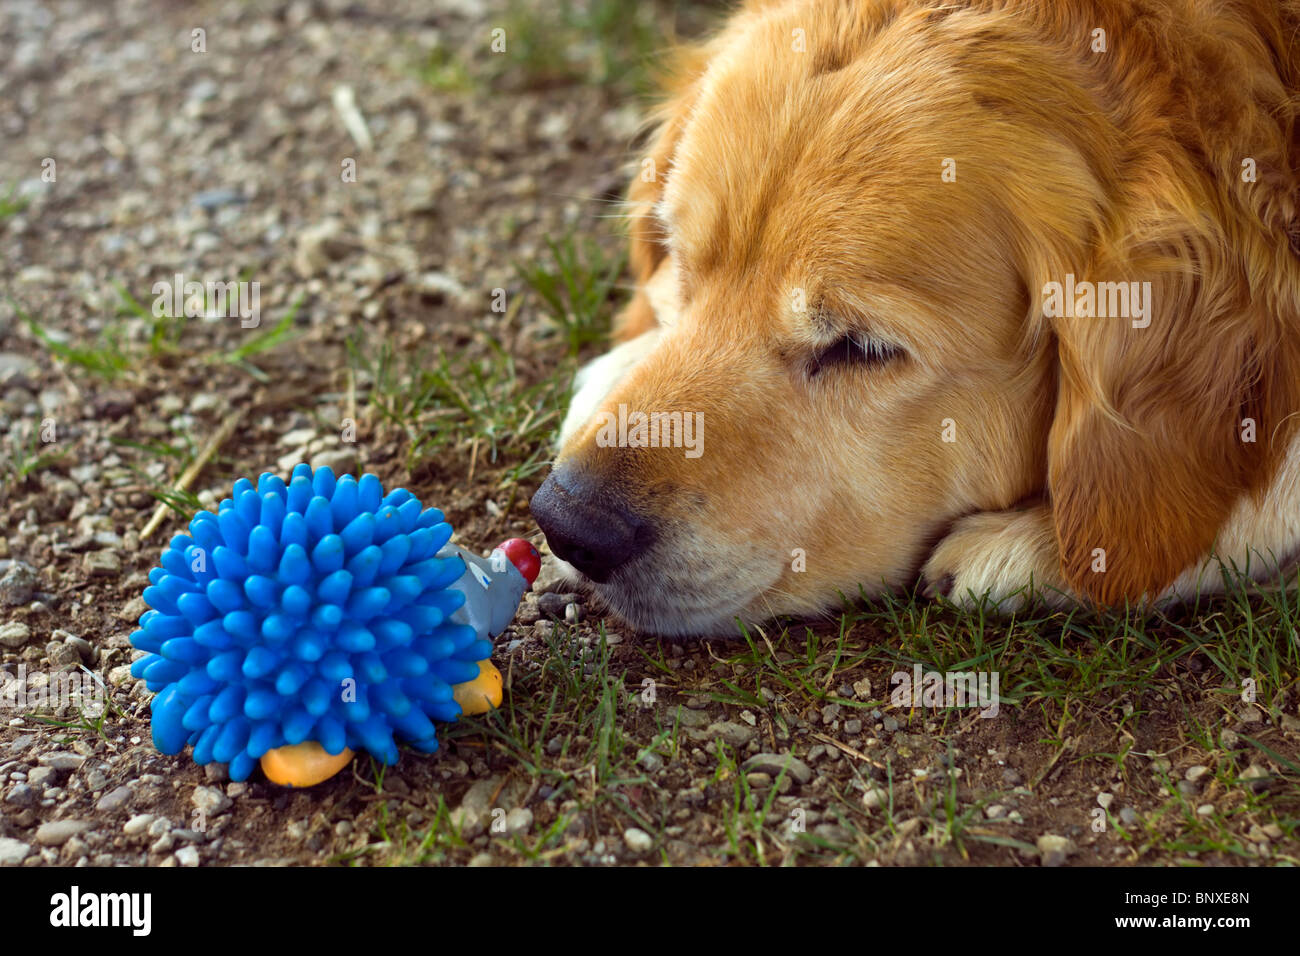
(493, 588)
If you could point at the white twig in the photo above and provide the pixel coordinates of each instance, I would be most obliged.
(187, 477)
(345, 101)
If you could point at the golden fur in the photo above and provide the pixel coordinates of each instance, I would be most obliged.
(795, 195)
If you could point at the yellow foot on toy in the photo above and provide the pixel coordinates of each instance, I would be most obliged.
(481, 694)
(303, 765)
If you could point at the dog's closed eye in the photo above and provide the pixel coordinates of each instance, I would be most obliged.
(854, 350)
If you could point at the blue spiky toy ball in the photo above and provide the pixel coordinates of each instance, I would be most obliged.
(313, 611)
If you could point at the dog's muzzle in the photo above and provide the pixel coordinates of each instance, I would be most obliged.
(589, 525)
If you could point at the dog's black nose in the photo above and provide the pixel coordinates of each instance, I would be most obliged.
(590, 527)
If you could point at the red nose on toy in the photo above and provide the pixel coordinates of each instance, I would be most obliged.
(524, 557)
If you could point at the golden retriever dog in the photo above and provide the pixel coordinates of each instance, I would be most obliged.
(1003, 293)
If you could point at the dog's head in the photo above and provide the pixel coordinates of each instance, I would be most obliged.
(842, 235)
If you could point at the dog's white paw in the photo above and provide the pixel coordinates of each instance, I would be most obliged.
(1003, 557)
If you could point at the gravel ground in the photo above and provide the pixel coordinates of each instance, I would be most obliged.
(233, 163)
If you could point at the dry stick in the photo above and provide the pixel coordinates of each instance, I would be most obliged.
(352, 395)
(345, 102)
(187, 477)
(473, 460)
(848, 750)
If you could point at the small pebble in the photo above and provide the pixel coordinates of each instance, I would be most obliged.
(58, 832)
(773, 764)
(342, 461)
(83, 647)
(555, 605)
(519, 820)
(101, 564)
(138, 823)
(17, 584)
(61, 760)
(1255, 777)
(13, 852)
(637, 840)
(14, 634)
(96, 779)
(114, 800)
(875, 798)
(40, 777)
(210, 801)
(1054, 849)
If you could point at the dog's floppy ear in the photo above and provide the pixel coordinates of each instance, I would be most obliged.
(648, 243)
(1172, 411)
(1168, 414)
